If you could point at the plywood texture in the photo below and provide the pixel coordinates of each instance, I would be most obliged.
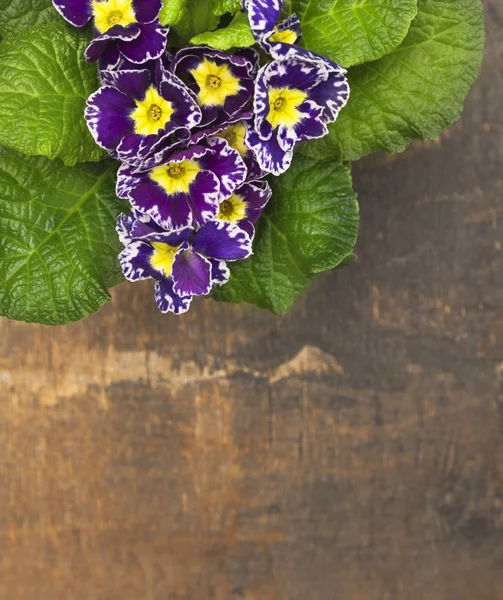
(350, 450)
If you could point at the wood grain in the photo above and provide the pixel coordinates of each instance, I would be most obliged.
(350, 450)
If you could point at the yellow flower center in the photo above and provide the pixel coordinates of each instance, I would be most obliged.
(152, 113)
(115, 17)
(216, 83)
(176, 178)
(279, 104)
(283, 106)
(108, 13)
(233, 209)
(155, 113)
(235, 135)
(163, 257)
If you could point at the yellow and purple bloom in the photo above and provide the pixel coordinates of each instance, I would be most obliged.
(122, 27)
(223, 83)
(187, 187)
(183, 263)
(280, 39)
(245, 206)
(294, 102)
(133, 116)
(264, 15)
(235, 134)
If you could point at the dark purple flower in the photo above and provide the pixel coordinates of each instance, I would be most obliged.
(133, 117)
(223, 83)
(294, 101)
(235, 133)
(279, 40)
(123, 27)
(264, 15)
(186, 189)
(183, 263)
(246, 205)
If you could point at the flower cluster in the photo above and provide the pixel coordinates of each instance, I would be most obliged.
(197, 131)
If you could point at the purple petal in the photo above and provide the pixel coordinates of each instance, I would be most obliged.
(145, 227)
(76, 12)
(256, 195)
(132, 83)
(281, 52)
(147, 11)
(168, 300)
(269, 154)
(312, 126)
(191, 274)
(127, 180)
(135, 261)
(227, 165)
(149, 45)
(124, 225)
(263, 15)
(170, 212)
(248, 227)
(218, 128)
(174, 90)
(261, 106)
(220, 273)
(104, 42)
(222, 240)
(203, 198)
(110, 58)
(332, 95)
(286, 137)
(129, 148)
(107, 116)
(97, 48)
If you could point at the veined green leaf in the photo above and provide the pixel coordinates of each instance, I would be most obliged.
(310, 225)
(416, 91)
(18, 15)
(44, 84)
(354, 31)
(237, 35)
(188, 18)
(58, 245)
(226, 6)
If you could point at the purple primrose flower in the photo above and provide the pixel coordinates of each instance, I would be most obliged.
(264, 15)
(122, 27)
(183, 263)
(186, 189)
(294, 101)
(223, 83)
(246, 205)
(133, 117)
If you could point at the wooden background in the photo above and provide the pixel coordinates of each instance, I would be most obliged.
(350, 450)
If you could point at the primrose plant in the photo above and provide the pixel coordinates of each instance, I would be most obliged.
(210, 140)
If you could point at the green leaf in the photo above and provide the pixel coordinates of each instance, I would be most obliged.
(416, 91)
(221, 7)
(310, 225)
(188, 18)
(172, 12)
(58, 245)
(44, 84)
(354, 31)
(237, 35)
(18, 15)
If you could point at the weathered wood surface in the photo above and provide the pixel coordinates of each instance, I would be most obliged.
(351, 450)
